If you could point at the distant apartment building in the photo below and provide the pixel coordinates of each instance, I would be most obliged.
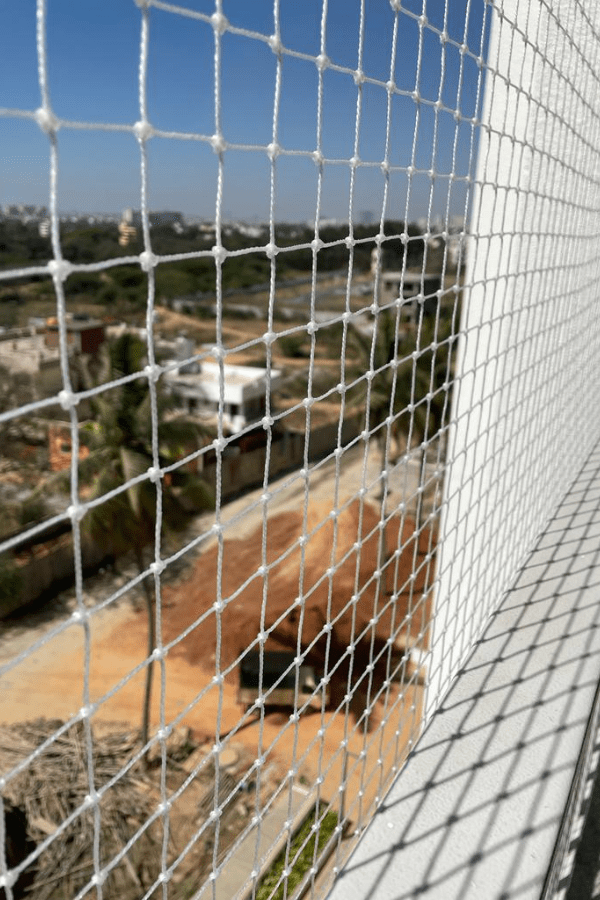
(131, 222)
(126, 228)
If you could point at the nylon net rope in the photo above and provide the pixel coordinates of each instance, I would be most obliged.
(367, 511)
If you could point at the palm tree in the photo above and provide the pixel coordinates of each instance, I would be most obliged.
(120, 441)
(392, 386)
(424, 381)
(401, 393)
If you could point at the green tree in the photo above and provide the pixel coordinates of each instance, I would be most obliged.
(401, 377)
(401, 382)
(121, 449)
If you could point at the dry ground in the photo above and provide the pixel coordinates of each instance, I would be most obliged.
(74, 665)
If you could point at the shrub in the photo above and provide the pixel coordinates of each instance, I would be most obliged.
(292, 346)
(32, 510)
(11, 584)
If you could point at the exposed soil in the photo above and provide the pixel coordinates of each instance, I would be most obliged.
(90, 664)
(55, 680)
(338, 564)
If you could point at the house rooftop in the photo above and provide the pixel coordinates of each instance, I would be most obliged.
(74, 324)
(210, 373)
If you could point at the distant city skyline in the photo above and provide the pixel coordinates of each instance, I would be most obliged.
(37, 212)
(93, 59)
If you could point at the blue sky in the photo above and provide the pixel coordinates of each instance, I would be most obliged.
(93, 53)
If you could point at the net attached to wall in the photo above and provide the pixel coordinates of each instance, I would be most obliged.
(265, 495)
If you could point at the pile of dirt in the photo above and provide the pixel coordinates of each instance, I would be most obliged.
(333, 566)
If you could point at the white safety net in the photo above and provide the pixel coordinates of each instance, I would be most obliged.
(352, 512)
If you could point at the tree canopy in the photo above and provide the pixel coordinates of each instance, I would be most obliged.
(120, 438)
(401, 376)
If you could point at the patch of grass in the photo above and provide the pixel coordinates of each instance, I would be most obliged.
(300, 859)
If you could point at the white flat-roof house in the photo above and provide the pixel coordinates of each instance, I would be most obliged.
(244, 392)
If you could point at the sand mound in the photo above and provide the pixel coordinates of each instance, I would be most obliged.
(338, 566)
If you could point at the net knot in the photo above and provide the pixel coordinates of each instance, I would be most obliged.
(219, 22)
(143, 131)
(67, 399)
(275, 44)
(147, 260)
(46, 120)
(60, 269)
(218, 143)
(76, 512)
(219, 253)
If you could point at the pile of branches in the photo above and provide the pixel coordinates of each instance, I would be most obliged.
(54, 785)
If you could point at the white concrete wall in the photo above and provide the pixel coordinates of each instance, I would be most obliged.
(479, 811)
(526, 407)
